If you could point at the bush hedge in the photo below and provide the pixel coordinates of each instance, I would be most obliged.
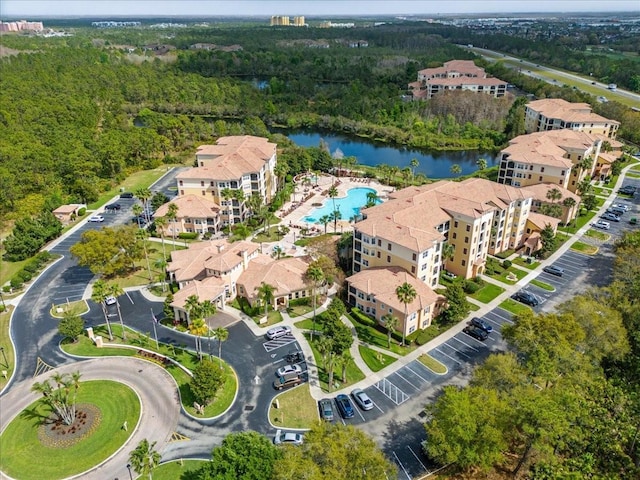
(506, 264)
(188, 235)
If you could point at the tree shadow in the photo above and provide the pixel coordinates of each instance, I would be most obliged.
(32, 413)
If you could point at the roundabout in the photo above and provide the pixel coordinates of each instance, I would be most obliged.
(121, 402)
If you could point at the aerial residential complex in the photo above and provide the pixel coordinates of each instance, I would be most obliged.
(230, 172)
(555, 114)
(456, 75)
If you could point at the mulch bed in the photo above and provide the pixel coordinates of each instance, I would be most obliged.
(54, 433)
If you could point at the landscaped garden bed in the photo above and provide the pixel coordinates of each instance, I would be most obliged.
(584, 248)
(374, 359)
(296, 409)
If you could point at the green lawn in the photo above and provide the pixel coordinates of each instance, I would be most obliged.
(296, 409)
(374, 359)
(224, 398)
(632, 175)
(140, 276)
(584, 248)
(487, 293)
(176, 470)
(603, 192)
(6, 360)
(78, 307)
(523, 263)
(9, 269)
(354, 374)
(543, 285)
(373, 336)
(432, 364)
(25, 457)
(502, 276)
(514, 307)
(597, 235)
(580, 222)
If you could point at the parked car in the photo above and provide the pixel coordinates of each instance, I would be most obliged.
(289, 369)
(627, 190)
(279, 331)
(345, 407)
(113, 206)
(290, 438)
(480, 323)
(621, 206)
(294, 357)
(610, 216)
(616, 211)
(286, 382)
(110, 300)
(362, 399)
(602, 224)
(449, 275)
(476, 332)
(126, 195)
(326, 409)
(553, 270)
(96, 219)
(526, 298)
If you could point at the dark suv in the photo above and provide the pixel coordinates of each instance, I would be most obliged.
(526, 298)
(126, 195)
(294, 357)
(476, 332)
(345, 406)
(480, 323)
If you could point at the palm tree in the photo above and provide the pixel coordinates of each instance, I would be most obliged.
(161, 264)
(221, 335)
(227, 195)
(161, 223)
(198, 327)
(481, 164)
(265, 294)
(137, 211)
(115, 290)
(406, 294)
(584, 187)
(393, 173)
(569, 203)
(390, 323)
(144, 194)
(421, 178)
(143, 234)
(145, 458)
(324, 220)
(99, 294)
(385, 172)
(455, 169)
(172, 215)
(333, 193)
(414, 164)
(335, 216)
(316, 275)
(345, 359)
(554, 195)
(238, 196)
(448, 252)
(406, 175)
(277, 252)
(372, 199)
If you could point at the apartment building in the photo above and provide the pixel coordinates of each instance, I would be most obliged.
(194, 214)
(373, 291)
(549, 194)
(229, 172)
(555, 114)
(476, 217)
(456, 75)
(562, 157)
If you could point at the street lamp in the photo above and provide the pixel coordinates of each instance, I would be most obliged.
(129, 468)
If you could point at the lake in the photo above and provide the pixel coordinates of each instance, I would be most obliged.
(433, 164)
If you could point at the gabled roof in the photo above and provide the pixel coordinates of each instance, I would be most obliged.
(208, 289)
(541, 221)
(286, 275)
(382, 283)
(549, 147)
(558, 108)
(191, 206)
(539, 192)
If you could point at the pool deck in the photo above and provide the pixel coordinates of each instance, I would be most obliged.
(292, 213)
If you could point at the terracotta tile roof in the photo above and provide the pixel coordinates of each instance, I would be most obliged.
(383, 281)
(66, 209)
(541, 221)
(606, 157)
(539, 192)
(287, 275)
(492, 81)
(214, 254)
(411, 216)
(464, 67)
(208, 289)
(191, 206)
(545, 148)
(567, 111)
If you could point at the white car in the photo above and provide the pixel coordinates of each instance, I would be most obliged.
(96, 219)
(621, 206)
(289, 369)
(110, 300)
(290, 438)
(362, 399)
(602, 224)
(277, 332)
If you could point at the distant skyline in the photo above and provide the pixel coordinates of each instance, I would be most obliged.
(32, 9)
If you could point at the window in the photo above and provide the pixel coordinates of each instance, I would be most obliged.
(389, 246)
(379, 242)
(562, 173)
(413, 269)
(425, 254)
(468, 228)
(180, 182)
(541, 169)
(202, 183)
(540, 178)
(454, 235)
(388, 258)
(415, 257)
(466, 239)
(464, 262)
(455, 224)
(378, 254)
(464, 251)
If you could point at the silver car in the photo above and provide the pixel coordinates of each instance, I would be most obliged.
(290, 438)
(362, 399)
(277, 332)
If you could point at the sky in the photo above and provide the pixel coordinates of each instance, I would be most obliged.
(32, 9)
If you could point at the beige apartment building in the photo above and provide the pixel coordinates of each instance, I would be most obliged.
(555, 156)
(243, 164)
(475, 216)
(456, 75)
(540, 195)
(555, 114)
(195, 214)
(373, 291)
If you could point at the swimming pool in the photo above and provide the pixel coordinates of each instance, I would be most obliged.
(348, 206)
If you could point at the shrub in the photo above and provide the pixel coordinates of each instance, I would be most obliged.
(506, 263)
(16, 282)
(24, 275)
(470, 287)
(426, 335)
(44, 256)
(478, 281)
(81, 212)
(31, 266)
(2, 308)
(6, 288)
(360, 317)
(188, 235)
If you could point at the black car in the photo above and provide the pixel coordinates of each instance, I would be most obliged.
(294, 357)
(627, 190)
(553, 270)
(126, 195)
(526, 298)
(480, 323)
(476, 332)
(113, 206)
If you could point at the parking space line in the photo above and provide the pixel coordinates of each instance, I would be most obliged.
(421, 366)
(466, 344)
(390, 390)
(398, 374)
(448, 356)
(416, 374)
(401, 465)
(446, 344)
(418, 459)
(278, 342)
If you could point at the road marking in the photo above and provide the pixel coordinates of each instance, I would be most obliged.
(418, 459)
(276, 343)
(416, 374)
(42, 367)
(466, 344)
(129, 297)
(448, 356)
(392, 392)
(407, 381)
(401, 465)
(446, 344)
